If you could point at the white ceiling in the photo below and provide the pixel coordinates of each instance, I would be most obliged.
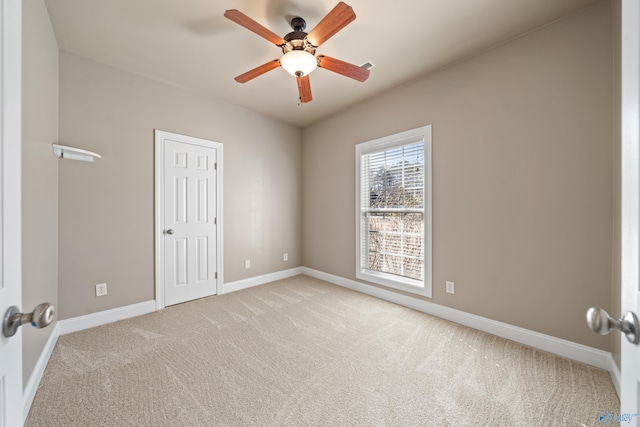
(189, 43)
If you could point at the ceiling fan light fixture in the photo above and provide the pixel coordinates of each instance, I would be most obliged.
(298, 63)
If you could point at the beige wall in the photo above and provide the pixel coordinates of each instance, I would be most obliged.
(39, 173)
(107, 207)
(523, 174)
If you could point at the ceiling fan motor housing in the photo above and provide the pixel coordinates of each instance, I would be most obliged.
(296, 40)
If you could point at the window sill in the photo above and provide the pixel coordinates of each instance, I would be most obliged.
(396, 282)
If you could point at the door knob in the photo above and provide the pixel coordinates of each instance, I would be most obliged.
(169, 231)
(599, 321)
(40, 317)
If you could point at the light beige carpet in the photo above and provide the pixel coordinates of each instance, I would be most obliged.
(302, 352)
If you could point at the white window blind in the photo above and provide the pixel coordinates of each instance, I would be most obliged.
(391, 212)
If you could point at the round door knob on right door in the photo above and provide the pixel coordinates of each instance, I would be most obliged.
(599, 321)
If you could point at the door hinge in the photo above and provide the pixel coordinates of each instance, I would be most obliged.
(215, 165)
(216, 275)
(215, 221)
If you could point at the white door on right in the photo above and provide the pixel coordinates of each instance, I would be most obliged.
(190, 221)
(630, 208)
(11, 409)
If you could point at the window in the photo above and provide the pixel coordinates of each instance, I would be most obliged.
(393, 185)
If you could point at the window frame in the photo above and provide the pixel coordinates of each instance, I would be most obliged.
(424, 287)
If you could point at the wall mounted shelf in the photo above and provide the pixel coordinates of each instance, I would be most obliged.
(72, 153)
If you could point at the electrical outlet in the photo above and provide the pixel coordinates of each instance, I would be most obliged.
(101, 289)
(451, 287)
(247, 263)
(285, 257)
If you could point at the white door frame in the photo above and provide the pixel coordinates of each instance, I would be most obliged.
(630, 204)
(11, 387)
(159, 209)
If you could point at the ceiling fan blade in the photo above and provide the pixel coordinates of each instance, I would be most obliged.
(242, 19)
(357, 73)
(258, 71)
(334, 21)
(304, 88)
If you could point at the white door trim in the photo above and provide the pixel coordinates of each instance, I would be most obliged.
(160, 136)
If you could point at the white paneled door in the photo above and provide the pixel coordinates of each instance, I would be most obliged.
(630, 208)
(189, 217)
(11, 405)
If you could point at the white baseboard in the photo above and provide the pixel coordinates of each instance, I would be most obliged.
(570, 350)
(614, 373)
(87, 321)
(29, 390)
(260, 280)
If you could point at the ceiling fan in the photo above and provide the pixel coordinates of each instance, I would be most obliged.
(299, 48)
